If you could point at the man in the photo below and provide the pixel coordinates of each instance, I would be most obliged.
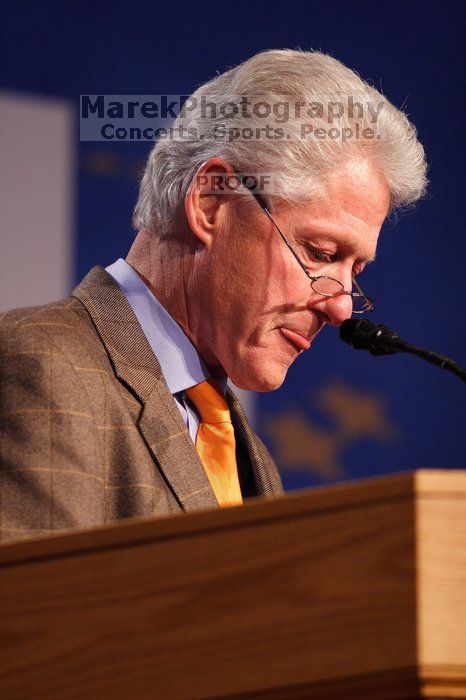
(114, 401)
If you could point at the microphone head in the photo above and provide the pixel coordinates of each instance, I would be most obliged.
(357, 332)
(361, 334)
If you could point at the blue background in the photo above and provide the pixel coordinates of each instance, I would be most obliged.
(340, 413)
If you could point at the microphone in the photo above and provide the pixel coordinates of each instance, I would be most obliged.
(361, 334)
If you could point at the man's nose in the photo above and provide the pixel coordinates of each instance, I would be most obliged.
(336, 309)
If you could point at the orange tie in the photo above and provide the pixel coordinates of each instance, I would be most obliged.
(215, 442)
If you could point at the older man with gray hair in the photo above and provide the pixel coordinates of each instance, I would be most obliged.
(257, 211)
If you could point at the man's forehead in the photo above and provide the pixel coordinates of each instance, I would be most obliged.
(361, 191)
(349, 215)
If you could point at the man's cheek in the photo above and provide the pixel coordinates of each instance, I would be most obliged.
(292, 289)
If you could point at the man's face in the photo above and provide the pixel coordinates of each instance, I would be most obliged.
(257, 311)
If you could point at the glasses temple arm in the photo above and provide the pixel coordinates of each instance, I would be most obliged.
(285, 240)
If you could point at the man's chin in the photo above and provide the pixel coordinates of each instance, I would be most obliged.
(261, 379)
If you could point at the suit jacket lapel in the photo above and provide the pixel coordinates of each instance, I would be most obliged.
(137, 367)
(166, 434)
(265, 474)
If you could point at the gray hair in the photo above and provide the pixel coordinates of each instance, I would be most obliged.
(300, 165)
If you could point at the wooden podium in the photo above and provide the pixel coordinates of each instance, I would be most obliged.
(353, 591)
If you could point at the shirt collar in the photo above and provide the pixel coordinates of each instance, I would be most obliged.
(179, 360)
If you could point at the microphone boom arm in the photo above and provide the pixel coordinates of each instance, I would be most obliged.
(361, 334)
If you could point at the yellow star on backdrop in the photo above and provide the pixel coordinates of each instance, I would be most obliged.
(301, 444)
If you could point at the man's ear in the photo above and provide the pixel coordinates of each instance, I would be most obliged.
(205, 196)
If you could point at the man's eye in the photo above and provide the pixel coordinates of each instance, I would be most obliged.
(318, 255)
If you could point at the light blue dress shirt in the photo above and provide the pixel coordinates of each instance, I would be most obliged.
(182, 367)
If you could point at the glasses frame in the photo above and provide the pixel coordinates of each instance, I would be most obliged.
(359, 294)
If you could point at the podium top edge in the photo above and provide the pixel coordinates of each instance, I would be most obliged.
(306, 503)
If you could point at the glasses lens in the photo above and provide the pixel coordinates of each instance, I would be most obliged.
(327, 286)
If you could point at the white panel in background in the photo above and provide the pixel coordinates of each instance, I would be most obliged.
(36, 181)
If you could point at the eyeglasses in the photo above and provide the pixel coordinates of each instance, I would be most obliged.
(322, 284)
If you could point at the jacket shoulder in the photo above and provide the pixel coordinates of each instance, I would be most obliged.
(64, 326)
(33, 316)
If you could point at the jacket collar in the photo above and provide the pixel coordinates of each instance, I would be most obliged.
(133, 361)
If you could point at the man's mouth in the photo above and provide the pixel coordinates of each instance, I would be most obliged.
(298, 340)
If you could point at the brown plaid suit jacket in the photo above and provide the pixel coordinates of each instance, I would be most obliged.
(89, 431)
